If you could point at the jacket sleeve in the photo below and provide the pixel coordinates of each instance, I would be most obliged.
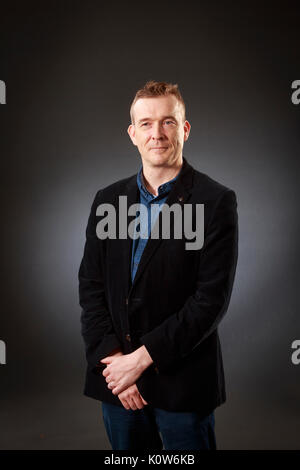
(96, 323)
(183, 331)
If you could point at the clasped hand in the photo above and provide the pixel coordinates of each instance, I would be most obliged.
(121, 371)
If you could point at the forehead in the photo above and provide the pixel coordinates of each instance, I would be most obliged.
(157, 107)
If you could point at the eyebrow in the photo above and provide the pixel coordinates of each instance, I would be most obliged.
(163, 119)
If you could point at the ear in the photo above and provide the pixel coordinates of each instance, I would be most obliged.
(187, 129)
(131, 132)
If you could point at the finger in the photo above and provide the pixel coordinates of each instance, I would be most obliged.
(138, 402)
(106, 360)
(132, 404)
(111, 385)
(105, 372)
(125, 404)
(118, 389)
(144, 401)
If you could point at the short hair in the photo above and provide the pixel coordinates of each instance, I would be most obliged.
(153, 89)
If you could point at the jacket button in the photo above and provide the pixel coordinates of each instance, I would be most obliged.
(126, 301)
(156, 369)
(128, 337)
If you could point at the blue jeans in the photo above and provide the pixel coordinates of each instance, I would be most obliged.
(141, 429)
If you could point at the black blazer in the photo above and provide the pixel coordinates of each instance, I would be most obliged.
(174, 305)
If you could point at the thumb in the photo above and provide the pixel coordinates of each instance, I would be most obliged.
(106, 360)
(144, 401)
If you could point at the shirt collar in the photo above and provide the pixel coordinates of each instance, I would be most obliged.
(163, 189)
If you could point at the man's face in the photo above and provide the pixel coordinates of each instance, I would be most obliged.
(159, 130)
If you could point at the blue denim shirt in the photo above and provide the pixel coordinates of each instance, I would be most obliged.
(147, 199)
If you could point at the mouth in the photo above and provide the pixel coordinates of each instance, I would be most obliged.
(158, 148)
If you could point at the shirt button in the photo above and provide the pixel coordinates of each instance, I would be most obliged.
(128, 337)
(180, 198)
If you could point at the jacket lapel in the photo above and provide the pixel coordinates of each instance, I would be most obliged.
(125, 246)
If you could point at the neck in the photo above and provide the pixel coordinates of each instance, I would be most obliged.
(156, 176)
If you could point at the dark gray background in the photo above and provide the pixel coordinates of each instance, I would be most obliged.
(71, 69)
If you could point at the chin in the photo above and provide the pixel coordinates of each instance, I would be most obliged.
(159, 160)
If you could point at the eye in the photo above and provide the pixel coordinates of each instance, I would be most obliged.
(169, 122)
(145, 124)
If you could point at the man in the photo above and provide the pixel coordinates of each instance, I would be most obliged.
(150, 306)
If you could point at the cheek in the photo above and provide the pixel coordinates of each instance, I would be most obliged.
(180, 137)
(142, 140)
(176, 138)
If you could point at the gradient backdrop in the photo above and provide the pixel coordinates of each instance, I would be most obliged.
(71, 69)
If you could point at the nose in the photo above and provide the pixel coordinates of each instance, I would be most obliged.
(157, 132)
